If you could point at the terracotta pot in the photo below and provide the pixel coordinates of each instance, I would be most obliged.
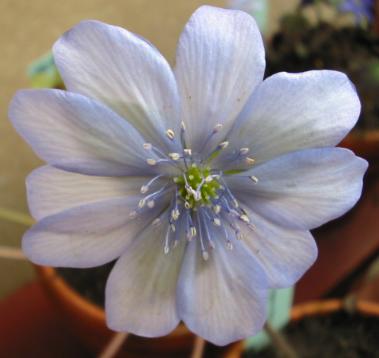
(87, 322)
(324, 307)
(363, 143)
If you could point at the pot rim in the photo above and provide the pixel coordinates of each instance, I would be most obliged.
(60, 287)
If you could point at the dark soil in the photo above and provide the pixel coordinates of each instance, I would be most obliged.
(90, 283)
(299, 46)
(334, 336)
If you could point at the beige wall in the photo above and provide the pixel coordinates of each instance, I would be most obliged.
(28, 28)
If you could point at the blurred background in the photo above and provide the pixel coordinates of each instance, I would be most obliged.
(299, 35)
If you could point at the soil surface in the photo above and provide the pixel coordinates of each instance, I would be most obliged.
(340, 335)
(90, 283)
(299, 46)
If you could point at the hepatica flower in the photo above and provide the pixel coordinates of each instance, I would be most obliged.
(202, 181)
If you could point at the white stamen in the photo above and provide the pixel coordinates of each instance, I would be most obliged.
(249, 161)
(151, 161)
(244, 151)
(170, 134)
(187, 205)
(235, 203)
(172, 227)
(193, 231)
(223, 145)
(147, 146)
(217, 208)
(229, 245)
(254, 179)
(212, 244)
(150, 204)
(175, 214)
(217, 221)
(244, 218)
(166, 249)
(183, 126)
(205, 255)
(141, 203)
(217, 127)
(144, 189)
(188, 151)
(174, 156)
(208, 179)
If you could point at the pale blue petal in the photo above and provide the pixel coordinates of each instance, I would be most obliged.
(224, 298)
(292, 111)
(52, 190)
(285, 254)
(304, 189)
(220, 60)
(75, 133)
(88, 235)
(141, 289)
(125, 72)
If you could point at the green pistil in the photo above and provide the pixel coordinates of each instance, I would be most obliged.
(195, 176)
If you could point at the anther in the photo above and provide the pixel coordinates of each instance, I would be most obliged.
(147, 146)
(205, 255)
(223, 145)
(150, 204)
(172, 227)
(174, 156)
(244, 151)
(151, 161)
(182, 126)
(216, 209)
(217, 221)
(208, 179)
(188, 152)
(166, 249)
(175, 214)
(245, 218)
(170, 134)
(144, 189)
(193, 231)
(141, 203)
(249, 161)
(254, 178)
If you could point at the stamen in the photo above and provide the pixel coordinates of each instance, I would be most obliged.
(175, 213)
(174, 156)
(150, 204)
(244, 151)
(245, 218)
(145, 188)
(249, 161)
(156, 222)
(254, 178)
(182, 126)
(151, 161)
(223, 145)
(188, 152)
(217, 127)
(170, 134)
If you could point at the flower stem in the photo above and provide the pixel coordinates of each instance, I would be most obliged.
(15, 217)
(280, 343)
(11, 253)
(198, 348)
(114, 345)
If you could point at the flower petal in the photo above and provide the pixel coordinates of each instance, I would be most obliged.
(75, 133)
(284, 254)
(304, 189)
(220, 60)
(222, 299)
(141, 289)
(52, 190)
(88, 235)
(122, 70)
(289, 112)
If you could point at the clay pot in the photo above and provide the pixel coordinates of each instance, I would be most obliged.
(87, 322)
(325, 307)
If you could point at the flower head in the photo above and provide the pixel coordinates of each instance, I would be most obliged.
(203, 181)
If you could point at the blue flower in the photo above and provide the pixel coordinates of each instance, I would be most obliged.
(203, 181)
(362, 9)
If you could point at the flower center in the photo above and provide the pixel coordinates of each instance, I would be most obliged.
(197, 186)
